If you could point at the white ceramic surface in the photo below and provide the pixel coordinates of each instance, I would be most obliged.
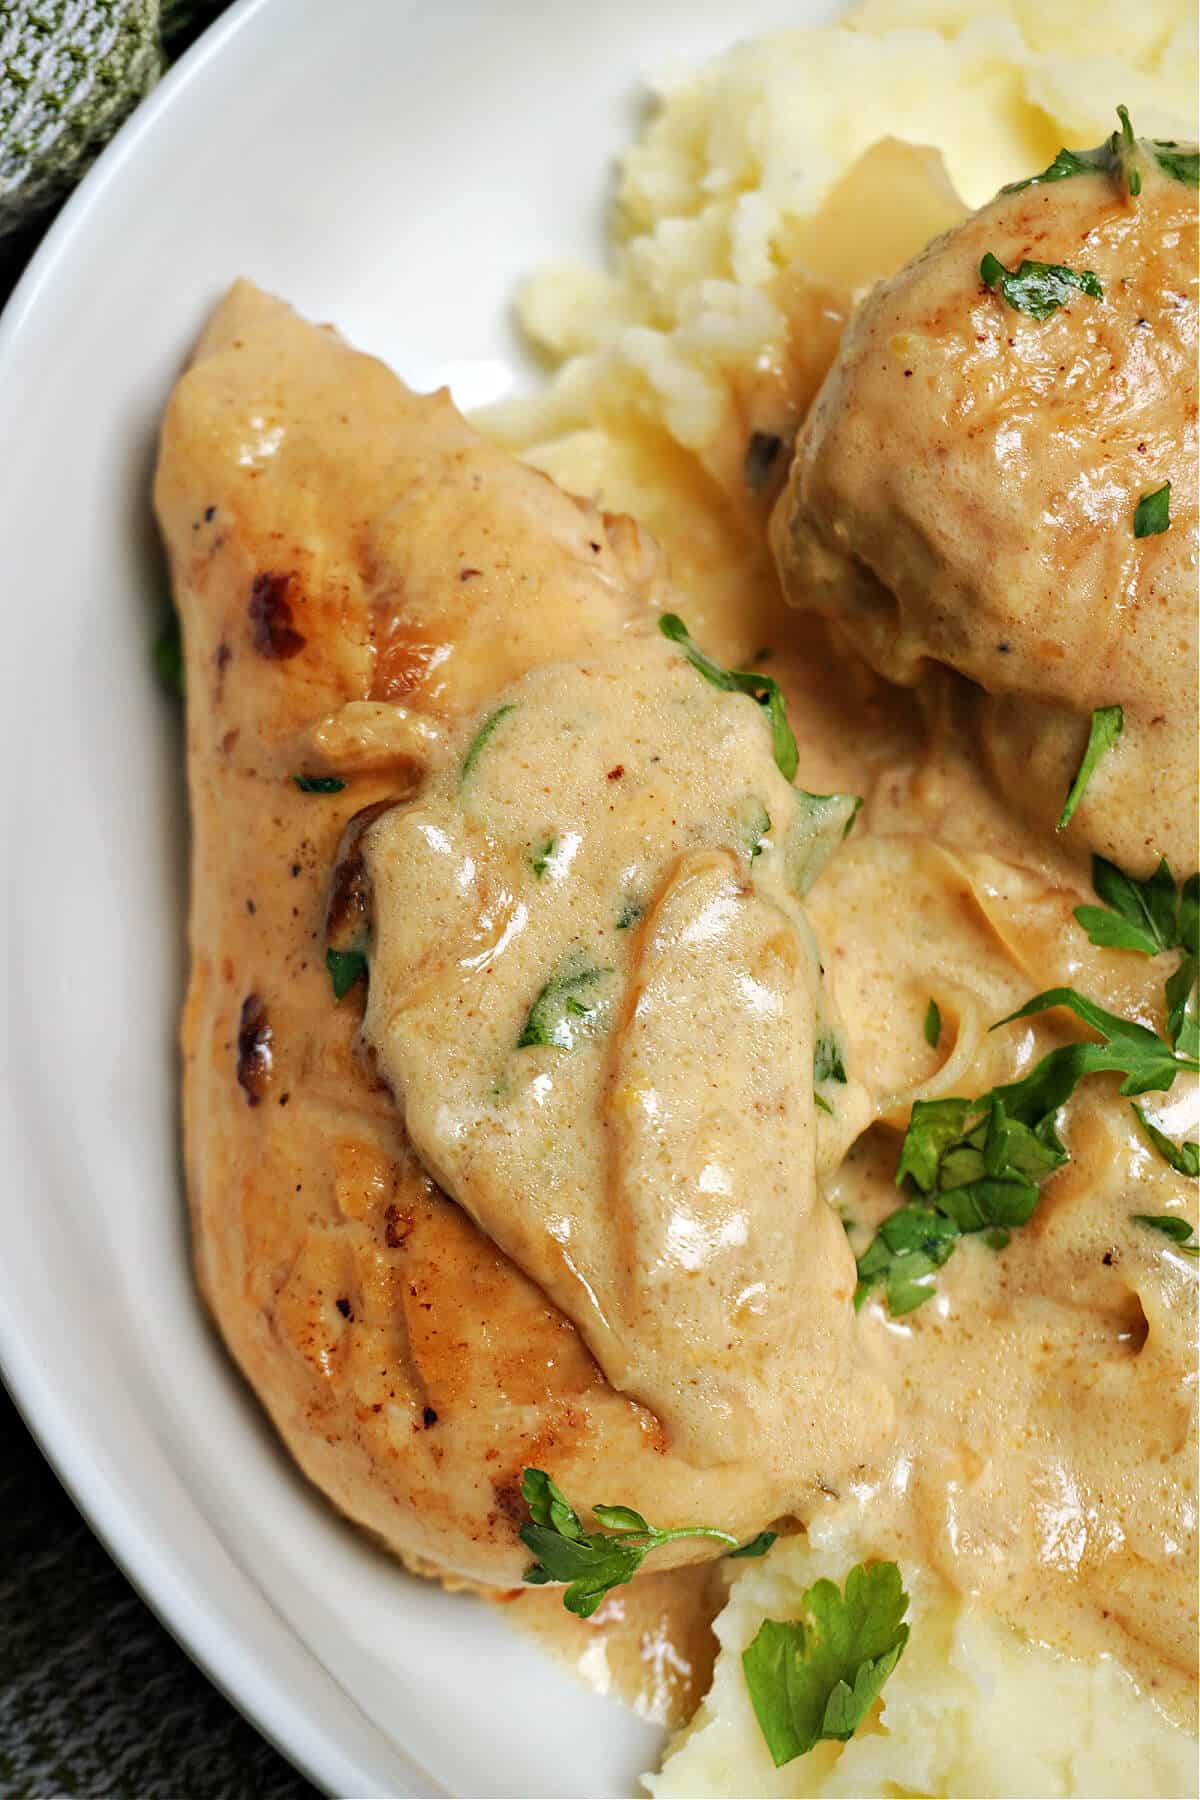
(394, 168)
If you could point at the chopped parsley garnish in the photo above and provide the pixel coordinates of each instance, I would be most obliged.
(631, 911)
(1152, 916)
(763, 688)
(1107, 724)
(1146, 916)
(822, 822)
(1124, 149)
(933, 1025)
(594, 1562)
(977, 1165)
(1184, 1158)
(564, 1010)
(817, 1676)
(1066, 164)
(1037, 288)
(1118, 156)
(823, 819)
(1181, 162)
(345, 968)
(318, 784)
(541, 855)
(168, 656)
(827, 1060)
(1152, 514)
(476, 747)
(753, 824)
(1181, 1234)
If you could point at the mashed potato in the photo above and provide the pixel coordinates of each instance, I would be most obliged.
(972, 1707)
(759, 203)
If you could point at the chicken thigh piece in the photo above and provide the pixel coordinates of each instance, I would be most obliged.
(966, 492)
(358, 573)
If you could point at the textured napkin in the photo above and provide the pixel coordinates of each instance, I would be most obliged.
(96, 1699)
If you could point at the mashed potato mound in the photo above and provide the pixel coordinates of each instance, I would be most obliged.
(972, 1707)
(748, 170)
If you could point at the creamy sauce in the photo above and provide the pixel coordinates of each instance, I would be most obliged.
(1028, 1433)
(650, 1643)
(597, 999)
(1042, 1456)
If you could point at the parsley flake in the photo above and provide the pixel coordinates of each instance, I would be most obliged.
(1184, 1158)
(318, 784)
(763, 688)
(478, 742)
(1117, 157)
(1181, 1234)
(1181, 162)
(542, 855)
(976, 1166)
(933, 1025)
(168, 656)
(593, 1562)
(1152, 514)
(1037, 288)
(1107, 724)
(345, 968)
(565, 1008)
(817, 1676)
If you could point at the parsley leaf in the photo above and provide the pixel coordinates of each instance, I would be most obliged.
(1128, 1048)
(593, 1562)
(560, 1015)
(821, 823)
(1184, 1158)
(933, 1025)
(977, 1165)
(827, 1059)
(822, 820)
(1152, 514)
(345, 968)
(753, 824)
(168, 656)
(1178, 1230)
(1180, 163)
(476, 746)
(1124, 148)
(1137, 915)
(1066, 164)
(817, 1676)
(1118, 156)
(1107, 724)
(318, 784)
(1037, 288)
(763, 688)
(540, 857)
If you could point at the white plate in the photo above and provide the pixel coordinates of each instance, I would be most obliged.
(396, 169)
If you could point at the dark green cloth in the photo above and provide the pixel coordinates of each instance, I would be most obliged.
(96, 1699)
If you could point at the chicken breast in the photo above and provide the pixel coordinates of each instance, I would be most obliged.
(965, 489)
(356, 574)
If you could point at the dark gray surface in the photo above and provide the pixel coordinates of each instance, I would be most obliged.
(96, 1699)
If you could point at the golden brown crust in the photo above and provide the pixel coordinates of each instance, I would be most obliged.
(409, 1367)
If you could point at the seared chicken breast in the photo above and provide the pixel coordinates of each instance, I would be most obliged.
(966, 489)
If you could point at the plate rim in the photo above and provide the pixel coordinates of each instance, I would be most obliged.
(197, 1624)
